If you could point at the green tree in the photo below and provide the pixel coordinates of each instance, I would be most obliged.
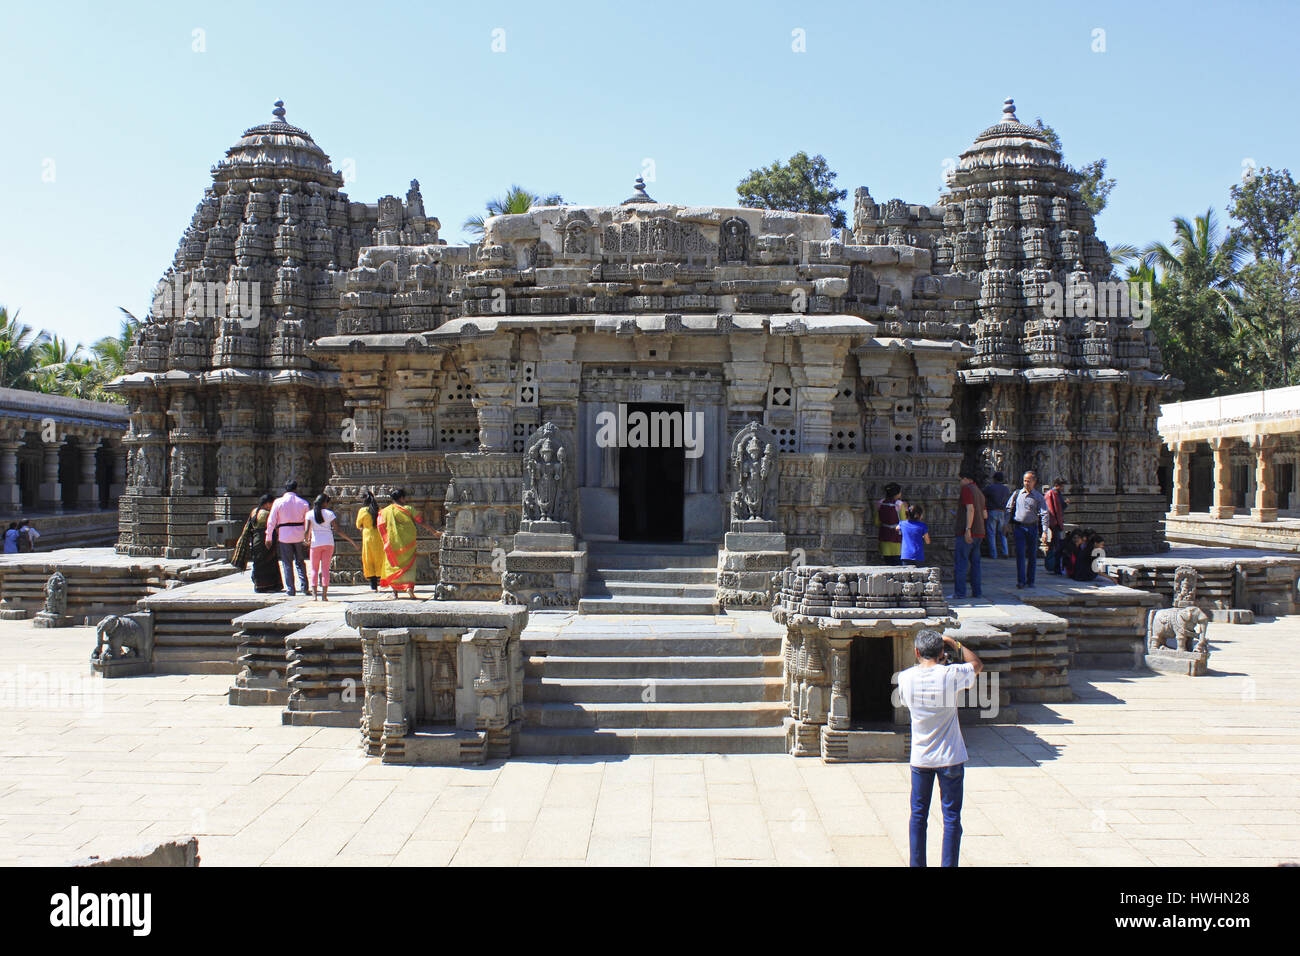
(110, 351)
(516, 200)
(1195, 306)
(1266, 204)
(18, 351)
(801, 185)
(1094, 187)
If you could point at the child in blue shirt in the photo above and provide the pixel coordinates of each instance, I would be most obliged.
(916, 535)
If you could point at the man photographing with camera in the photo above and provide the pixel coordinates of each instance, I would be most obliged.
(944, 668)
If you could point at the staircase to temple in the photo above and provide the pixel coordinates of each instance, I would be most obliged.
(650, 578)
(658, 685)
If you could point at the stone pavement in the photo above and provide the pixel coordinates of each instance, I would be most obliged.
(1140, 769)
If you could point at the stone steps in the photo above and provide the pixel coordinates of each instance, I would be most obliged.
(657, 686)
(646, 604)
(652, 740)
(703, 576)
(637, 578)
(643, 668)
(650, 589)
(715, 642)
(692, 714)
(662, 690)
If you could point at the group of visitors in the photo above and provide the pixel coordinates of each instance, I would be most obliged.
(1083, 555)
(20, 537)
(283, 535)
(1033, 521)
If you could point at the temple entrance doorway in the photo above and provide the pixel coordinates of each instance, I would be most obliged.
(871, 671)
(651, 482)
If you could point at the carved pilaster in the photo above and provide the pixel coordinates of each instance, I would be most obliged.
(1222, 448)
(1265, 508)
(1181, 504)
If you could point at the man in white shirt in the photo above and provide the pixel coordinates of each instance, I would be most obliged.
(929, 690)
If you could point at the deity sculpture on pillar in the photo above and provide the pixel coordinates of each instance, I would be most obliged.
(754, 476)
(547, 480)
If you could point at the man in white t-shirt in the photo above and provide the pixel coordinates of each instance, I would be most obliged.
(930, 690)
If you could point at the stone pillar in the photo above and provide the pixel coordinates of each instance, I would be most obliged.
(51, 497)
(88, 487)
(494, 393)
(121, 470)
(817, 379)
(11, 494)
(393, 643)
(1181, 504)
(1222, 507)
(1265, 491)
(839, 715)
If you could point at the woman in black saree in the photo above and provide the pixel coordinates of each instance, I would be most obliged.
(252, 547)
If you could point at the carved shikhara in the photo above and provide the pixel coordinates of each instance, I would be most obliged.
(915, 339)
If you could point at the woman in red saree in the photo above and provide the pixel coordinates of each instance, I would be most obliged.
(397, 531)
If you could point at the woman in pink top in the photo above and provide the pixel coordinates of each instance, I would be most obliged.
(319, 532)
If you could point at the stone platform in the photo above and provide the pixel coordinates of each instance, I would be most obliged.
(1106, 622)
(100, 581)
(1234, 583)
(1240, 531)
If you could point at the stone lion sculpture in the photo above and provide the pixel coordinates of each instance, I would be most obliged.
(1185, 627)
(119, 638)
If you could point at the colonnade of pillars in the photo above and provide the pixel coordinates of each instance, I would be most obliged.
(51, 495)
(1262, 448)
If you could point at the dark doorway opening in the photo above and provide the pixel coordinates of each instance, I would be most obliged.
(871, 686)
(1285, 482)
(651, 481)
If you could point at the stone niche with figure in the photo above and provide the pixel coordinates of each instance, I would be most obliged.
(443, 680)
(548, 565)
(849, 632)
(753, 548)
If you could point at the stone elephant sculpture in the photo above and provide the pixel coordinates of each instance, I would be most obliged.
(1180, 625)
(119, 638)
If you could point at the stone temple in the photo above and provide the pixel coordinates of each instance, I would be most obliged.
(301, 334)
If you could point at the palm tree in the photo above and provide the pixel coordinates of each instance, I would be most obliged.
(1198, 304)
(110, 351)
(53, 360)
(1123, 252)
(18, 356)
(1202, 257)
(516, 200)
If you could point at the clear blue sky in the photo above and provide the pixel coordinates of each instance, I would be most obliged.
(132, 117)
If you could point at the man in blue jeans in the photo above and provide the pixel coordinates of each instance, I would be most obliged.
(969, 537)
(929, 690)
(1027, 509)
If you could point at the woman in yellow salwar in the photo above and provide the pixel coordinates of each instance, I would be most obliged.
(397, 528)
(372, 544)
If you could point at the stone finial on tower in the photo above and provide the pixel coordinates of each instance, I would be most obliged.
(640, 195)
(1009, 111)
(278, 112)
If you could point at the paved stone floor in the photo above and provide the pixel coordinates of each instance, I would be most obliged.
(1138, 770)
